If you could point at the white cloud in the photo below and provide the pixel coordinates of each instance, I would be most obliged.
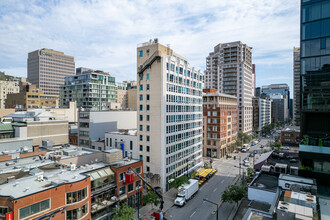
(104, 34)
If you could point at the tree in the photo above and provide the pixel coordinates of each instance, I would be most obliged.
(151, 198)
(250, 172)
(278, 145)
(192, 174)
(179, 181)
(123, 212)
(234, 194)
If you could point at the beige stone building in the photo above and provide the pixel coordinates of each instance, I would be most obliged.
(132, 98)
(47, 69)
(39, 125)
(7, 87)
(169, 113)
(122, 95)
(31, 97)
(219, 122)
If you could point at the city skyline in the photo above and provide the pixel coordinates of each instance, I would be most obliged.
(104, 35)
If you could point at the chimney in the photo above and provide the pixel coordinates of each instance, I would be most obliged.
(36, 148)
(10, 179)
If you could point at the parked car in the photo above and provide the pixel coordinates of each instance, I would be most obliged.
(246, 159)
(262, 146)
(251, 154)
(246, 163)
(244, 149)
(255, 151)
(285, 148)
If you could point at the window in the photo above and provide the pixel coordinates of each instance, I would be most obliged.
(141, 117)
(148, 86)
(148, 159)
(121, 176)
(148, 138)
(77, 213)
(141, 53)
(141, 147)
(148, 117)
(138, 184)
(148, 107)
(148, 77)
(141, 127)
(34, 209)
(148, 97)
(138, 170)
(148, 149)
(130, 187)
(141, 98)
(141, 87)
(131, 145)
(148, 169)
(141, 137)
(3, 211)
(148, 127)
(76, 196)
(141, 107)
(141, 157)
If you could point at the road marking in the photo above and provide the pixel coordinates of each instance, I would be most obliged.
(192, 214)
(222, 181)
(215, 190)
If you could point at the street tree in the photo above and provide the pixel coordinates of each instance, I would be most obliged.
(151, 198)
(123, 212)
(234, 194)
(179, 181)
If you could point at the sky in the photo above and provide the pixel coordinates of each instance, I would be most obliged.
(104, 35)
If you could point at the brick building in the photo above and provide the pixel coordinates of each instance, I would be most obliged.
(290, 136)
(220, 123)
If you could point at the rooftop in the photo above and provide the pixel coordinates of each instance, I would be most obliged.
(124, 132)
(265, 182)
(122, 163)
(219, 94)
(30, 185)
(297, 179)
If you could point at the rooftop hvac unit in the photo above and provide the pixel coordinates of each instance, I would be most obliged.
(40, 178)
(73, 167)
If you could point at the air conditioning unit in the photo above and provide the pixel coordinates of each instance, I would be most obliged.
(73, 167)
(40, 178)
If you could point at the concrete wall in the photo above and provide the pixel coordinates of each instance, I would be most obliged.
(261, 195)
(84, 159)
(70, 114)
(132, 99)
(4, 112)
(56, 131)
(111, 139)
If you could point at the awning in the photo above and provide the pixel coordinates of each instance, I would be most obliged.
(101, 173)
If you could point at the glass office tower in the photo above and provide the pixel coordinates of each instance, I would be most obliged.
(314, 151)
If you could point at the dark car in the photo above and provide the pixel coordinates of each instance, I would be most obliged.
(262, 146)
(251, 155)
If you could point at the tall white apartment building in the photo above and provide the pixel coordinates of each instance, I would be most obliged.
(262, 109)
(169, 111)
(229, 70)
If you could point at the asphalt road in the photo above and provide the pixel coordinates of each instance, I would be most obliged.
(196, 208)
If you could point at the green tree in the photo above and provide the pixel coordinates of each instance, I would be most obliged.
(179, 181)
(305, 140)
(234, 194)
(151, 198)
(192, 174)
(123, 212)
(250, 172)
(278, 145)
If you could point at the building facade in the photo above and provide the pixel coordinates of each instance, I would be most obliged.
(296, 86)
(122, 94)
(90, 89)
(261, 113)
(229, 70)
(47, 69)
(290, 136)
(254, 80)
(30, 97)
(169, 110)
(7, 87)
(280, 109)
(220, 123)
(92, 125)
(314, 151)
(125, 140)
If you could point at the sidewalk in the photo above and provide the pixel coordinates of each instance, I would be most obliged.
(169, 198)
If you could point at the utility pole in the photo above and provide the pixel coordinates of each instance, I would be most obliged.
(239, 166)
(214, 204)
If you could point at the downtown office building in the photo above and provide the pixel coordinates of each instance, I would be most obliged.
(47, 69)
(229, 70)
(169, 111)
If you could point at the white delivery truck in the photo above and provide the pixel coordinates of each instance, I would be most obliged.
(186, 192)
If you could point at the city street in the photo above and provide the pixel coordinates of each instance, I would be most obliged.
(212, 190)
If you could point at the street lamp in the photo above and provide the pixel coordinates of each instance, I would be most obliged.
(213, 204)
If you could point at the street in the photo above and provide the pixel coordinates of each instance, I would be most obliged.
(196, 208)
